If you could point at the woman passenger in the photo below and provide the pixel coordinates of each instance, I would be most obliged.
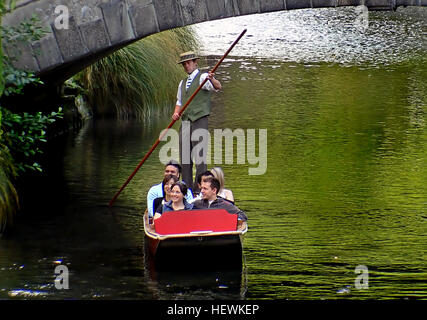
(223, 192)
(178, 202)
(167, 183)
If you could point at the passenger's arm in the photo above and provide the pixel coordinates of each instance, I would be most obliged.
(151, 195)
(189, 197)
(231, 208)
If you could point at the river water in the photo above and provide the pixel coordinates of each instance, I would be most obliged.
(344, 186)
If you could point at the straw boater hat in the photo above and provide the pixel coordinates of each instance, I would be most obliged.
(186, 56)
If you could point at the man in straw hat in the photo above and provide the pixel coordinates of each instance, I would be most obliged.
(194, 117)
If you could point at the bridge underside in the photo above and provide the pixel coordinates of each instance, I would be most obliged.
(97, 28)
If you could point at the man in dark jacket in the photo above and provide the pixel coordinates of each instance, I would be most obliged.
(209, 190)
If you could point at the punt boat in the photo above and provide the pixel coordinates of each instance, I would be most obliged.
(208, 237)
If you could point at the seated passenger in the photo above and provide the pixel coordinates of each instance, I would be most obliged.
(209, 190)
(177, 202)
(199, 179)
(156, 191)
(223, 192)
(167, 183)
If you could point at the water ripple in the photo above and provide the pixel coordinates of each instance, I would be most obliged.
(320, 35)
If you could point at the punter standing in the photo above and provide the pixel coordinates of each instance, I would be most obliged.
(194, 117)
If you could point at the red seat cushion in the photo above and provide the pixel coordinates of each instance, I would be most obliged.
(186, 221)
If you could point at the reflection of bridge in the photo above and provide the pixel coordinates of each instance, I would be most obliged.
(99, 27)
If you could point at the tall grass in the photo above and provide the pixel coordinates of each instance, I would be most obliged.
(26, 32)
(8, 195)
(140, 79)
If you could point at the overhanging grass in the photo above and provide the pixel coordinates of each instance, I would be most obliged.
(8, 195)
(140, 79)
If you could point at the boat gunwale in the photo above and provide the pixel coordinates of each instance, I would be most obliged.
(158, 236)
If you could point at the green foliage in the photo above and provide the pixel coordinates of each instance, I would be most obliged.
(14, 80)
(6, 6)
(28, 30)
(2, 10)
(23, 134)
(1, 77)
(8, 195)
(20, 134)
(139, 79)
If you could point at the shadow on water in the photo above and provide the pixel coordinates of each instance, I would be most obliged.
(228, 284)
(196, 278)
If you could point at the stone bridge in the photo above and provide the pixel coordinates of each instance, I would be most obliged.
(82, 31)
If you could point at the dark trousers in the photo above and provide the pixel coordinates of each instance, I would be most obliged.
(193, 152)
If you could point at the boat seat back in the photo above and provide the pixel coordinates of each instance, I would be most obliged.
(188, 221)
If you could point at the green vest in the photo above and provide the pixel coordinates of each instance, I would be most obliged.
(200, 106)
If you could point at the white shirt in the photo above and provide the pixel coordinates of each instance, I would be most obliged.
(207, 86)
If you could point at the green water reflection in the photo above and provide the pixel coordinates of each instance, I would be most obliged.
(345, 184)
(345, 180)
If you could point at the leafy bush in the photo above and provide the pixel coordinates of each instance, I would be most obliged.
(23, 134)
(20, 134)
(15, 80)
